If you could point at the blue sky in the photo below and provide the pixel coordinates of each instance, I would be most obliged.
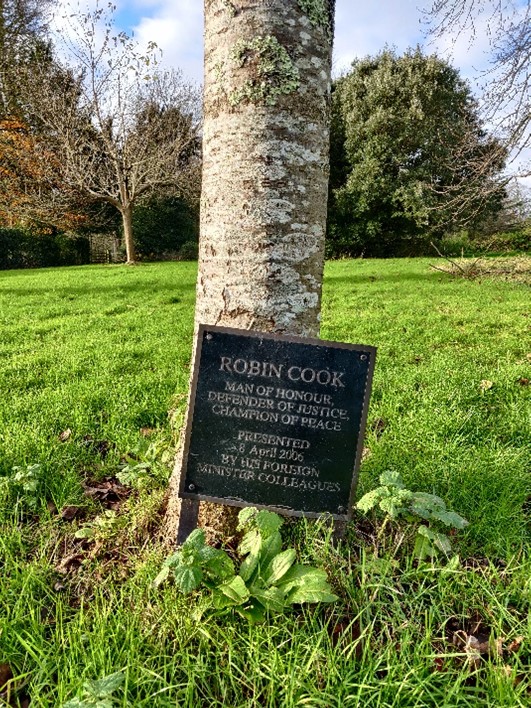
(362, 27)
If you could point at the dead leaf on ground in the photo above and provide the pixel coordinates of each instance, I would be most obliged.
(65, 435)
(378, 426)
(102, 447)
(51, 507)
(515, 645)
(146, 432)
(69, 513)
(10, 694)
(473, 638)
(523, 381)
(110, 492)
(70, 563)
(438, 663)
(347, 630)
(5, 675)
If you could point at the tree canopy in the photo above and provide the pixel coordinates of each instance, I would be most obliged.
(406, 141)
(118, 127)
(22, 35)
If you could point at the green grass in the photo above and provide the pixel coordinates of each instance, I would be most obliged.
(104, 352)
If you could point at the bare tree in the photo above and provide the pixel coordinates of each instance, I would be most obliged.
(265, 171)
(120, 127)
(507, 94)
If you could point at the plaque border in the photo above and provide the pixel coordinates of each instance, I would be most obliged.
(288, 511)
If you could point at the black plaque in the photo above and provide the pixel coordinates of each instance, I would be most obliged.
(276, 421)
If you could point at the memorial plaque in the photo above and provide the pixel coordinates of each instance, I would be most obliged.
(276, 421)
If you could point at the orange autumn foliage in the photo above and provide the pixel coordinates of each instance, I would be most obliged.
(31, 190)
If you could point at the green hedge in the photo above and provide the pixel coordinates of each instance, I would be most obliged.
(20, 249)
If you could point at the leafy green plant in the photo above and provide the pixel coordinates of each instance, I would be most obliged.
(23, 484)
(134, 474)
(103, 526)
(147, 465)
(268, 579)
(98, 694)
(396, 501)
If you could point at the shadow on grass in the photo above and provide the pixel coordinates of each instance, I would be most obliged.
(84, 289)
(387, 278)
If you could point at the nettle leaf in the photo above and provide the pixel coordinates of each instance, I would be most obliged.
(195, 541)
(102, 688)
(216, 563)
(162, 576)
(174, 560)
(271, 598)
(439, 540)
(391, 478)
(245, 517)
(268, 522)
(451, 518)
(371, 499)
(188, 577)
(392, 506)
(279, 566)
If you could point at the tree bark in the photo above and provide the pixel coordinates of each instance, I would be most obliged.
(265, 174)
(127, 223)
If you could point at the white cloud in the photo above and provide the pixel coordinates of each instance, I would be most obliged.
(362, 27)
(177, 28)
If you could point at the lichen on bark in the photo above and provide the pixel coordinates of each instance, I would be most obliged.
(318, 12)
(269, 68)
(265, 177)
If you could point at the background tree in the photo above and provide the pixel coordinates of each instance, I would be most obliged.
(121, 129)
(166, 226)
(406, 137)
(26, 157)
(265, 170)
(31, 191)
(22, 33)
(507, 90)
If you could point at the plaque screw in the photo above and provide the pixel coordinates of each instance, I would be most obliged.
(209, 336)
(191, 487)
(363, 357)
(341, 510)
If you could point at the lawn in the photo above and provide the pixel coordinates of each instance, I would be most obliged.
(95, 364)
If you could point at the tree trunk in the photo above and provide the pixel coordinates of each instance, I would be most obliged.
(127, 222)
(265, 172)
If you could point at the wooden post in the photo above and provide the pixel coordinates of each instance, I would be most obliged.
(187, 519)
